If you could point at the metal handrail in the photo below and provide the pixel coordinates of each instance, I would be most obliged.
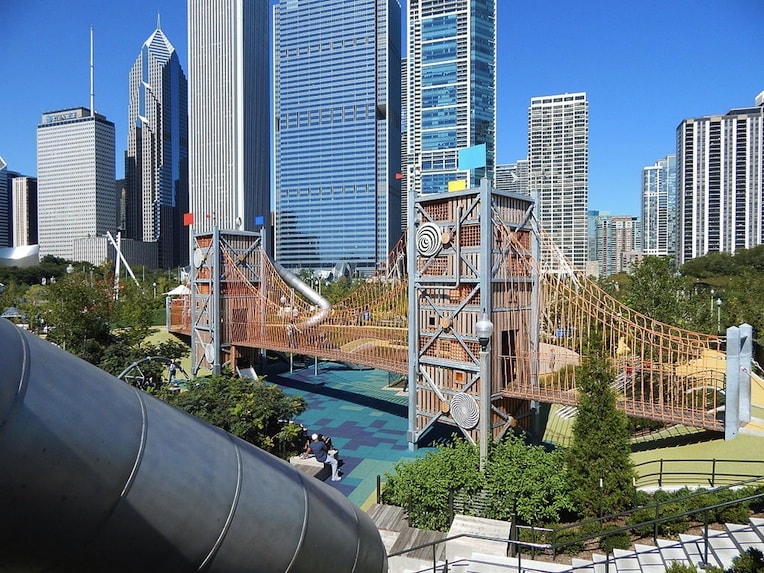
(554, 546)
(712, 477)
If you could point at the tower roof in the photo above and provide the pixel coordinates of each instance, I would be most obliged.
(158, 42)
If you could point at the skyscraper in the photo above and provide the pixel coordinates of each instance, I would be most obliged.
(156, 162)
(720, 182)
(451, 90)
(615, 242)
(558, 170)
(24, 211)
(659, 207)
(5, 214)
(229, 114)
(337, 135)
(75, 179)
(512, 177)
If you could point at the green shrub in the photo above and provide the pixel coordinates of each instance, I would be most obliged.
(620, 540)
(565, 538)
(681, 567)
(639, 517)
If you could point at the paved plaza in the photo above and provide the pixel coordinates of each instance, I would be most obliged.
(365, 414)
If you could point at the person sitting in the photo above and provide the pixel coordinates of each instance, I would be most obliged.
(325, 455)
(307, 452)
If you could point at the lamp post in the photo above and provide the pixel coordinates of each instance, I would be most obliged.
(484, 330)
(712, 301)
(154, 284)
(719, 315)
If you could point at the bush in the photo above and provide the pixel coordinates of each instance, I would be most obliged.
(565, 537)
(620, 540)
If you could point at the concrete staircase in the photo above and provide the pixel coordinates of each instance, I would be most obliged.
(467, 554)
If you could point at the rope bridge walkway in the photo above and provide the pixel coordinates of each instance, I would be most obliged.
(663, 372)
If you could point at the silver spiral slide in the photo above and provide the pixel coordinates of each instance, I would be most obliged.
(98, 476)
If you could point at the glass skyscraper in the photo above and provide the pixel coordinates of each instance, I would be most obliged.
(156, 162)
(229, 121)
(659, 207)
(337, 132)
(451, 90)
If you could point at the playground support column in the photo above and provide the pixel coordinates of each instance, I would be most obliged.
(732, 385)
(413, 334)
(215, 318)
(746, 360)
(485, 331)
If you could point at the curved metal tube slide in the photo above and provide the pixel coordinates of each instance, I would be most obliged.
(98, 476)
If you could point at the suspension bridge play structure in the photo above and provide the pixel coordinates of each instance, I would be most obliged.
(477, 309)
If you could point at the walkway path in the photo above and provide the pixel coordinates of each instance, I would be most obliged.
(365, 417)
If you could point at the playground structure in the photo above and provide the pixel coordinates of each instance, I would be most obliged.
(469, 258)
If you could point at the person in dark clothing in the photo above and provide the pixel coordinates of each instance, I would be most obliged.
(325, 455)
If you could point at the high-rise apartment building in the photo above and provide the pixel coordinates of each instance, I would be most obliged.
(75, 179)
(451, 54)
(229, 114)
(558, 171)
(337, 132)
(720, 182)
(659, 207)
(5, 202)
(156, 162)
(24, 211)
(512, 177)
(615, 242)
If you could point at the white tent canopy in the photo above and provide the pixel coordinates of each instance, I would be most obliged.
(179, 290)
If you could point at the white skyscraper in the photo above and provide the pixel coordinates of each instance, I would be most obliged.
(720, 182)
(229, 113)
(558, 170)
(75, 179)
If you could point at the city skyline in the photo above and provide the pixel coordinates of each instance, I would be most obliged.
(641, 80)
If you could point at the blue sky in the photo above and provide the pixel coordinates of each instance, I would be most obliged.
(645, 66)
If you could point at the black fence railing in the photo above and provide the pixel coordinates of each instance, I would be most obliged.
(696, 472)
(553, 541)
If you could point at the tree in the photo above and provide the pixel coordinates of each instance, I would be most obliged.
(600, 469)
(657, 290)
(79, 316)
(527, 481)
(253, 410)
(133, 312)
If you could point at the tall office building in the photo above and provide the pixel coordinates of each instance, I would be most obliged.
(451, 90)
(156, 161)
(75, 179)
(558, 171)
(337, 133)
(404, 144)
(24, 211)
(512, 177)
(229, 114)
(720, 182)
(659, 207)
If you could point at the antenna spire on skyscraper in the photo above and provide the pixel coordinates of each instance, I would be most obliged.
(92, 92)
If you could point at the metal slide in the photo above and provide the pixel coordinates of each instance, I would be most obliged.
(98, 476)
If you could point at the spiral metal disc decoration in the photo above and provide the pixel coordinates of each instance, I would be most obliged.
(428, 239)
(464, 410)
